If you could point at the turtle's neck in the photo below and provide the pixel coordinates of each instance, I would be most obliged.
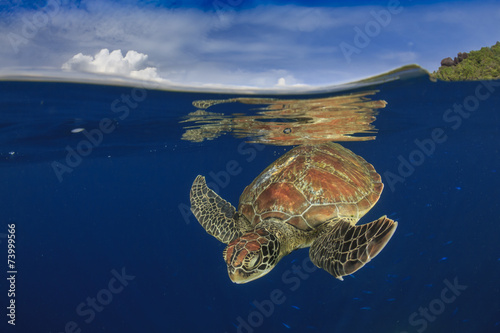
(289, 237)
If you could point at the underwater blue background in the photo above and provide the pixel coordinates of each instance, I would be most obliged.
(117, 228)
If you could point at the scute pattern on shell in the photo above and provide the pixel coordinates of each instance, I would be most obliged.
(311, 184)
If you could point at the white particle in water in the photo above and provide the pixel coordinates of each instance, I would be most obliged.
(77, 130)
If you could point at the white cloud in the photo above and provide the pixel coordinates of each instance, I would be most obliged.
(132, 65)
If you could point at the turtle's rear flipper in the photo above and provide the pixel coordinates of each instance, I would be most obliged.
(217, 216)
(344, 248)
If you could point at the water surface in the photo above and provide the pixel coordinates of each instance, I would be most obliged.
(96, 180)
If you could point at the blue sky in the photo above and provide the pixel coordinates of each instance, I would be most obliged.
(210, 43)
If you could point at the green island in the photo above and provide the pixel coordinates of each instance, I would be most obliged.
(475, 65)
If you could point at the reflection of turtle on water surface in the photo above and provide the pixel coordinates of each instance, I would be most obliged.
(287, 122)
(310, 197)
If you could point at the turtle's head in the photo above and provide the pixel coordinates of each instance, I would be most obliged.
(252, 255)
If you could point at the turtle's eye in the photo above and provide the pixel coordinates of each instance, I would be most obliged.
(254, 261)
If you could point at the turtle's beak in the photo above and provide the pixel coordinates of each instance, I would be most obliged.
(239, 277)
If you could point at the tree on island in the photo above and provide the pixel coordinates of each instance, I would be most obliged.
(475, 65)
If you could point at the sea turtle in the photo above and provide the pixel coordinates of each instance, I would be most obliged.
(312, 196)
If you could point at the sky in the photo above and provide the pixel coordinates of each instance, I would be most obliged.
(237, 43)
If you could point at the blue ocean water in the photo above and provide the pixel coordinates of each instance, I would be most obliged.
(96, 179)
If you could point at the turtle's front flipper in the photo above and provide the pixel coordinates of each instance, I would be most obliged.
(217, 216)
(344, 248)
